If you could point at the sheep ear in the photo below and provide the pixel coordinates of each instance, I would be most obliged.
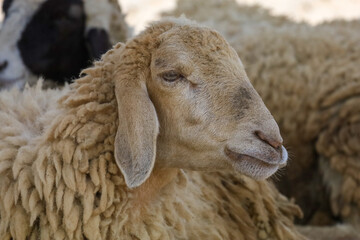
(135, 141)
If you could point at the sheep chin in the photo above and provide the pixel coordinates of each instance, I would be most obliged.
(255, 168)
(252, 166)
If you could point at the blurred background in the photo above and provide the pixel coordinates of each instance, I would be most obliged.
(140, 12)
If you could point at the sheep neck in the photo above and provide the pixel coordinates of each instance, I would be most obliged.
(149, 190)
(87, 122)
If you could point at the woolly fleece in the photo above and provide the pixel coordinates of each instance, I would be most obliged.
(59, 179)
(309, 79)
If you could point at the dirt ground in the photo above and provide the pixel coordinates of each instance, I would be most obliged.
(140, 12)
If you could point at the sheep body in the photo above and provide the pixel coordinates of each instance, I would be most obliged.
(309, 79)
(59, 179)
(61, 194)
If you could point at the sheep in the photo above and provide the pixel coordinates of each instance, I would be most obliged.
(55, 39)
(117, 154)
(308, 77)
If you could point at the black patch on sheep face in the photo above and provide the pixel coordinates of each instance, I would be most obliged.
(241, 102)
(97, 42)
(160, 63)
(6, 5)
(53, 43)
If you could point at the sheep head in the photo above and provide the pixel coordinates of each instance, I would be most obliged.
(184, 101)
(47, 38)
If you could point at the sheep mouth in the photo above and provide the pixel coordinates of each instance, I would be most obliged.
(10, 81)
(238, 157)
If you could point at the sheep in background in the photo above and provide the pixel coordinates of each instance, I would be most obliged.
(55, 39)
(309, 78)
(113, 24)
(101, 158)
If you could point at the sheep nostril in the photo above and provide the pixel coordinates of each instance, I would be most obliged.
(271, 141)
(3, 65)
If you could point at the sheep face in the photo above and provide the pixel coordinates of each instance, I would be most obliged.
(209, 116)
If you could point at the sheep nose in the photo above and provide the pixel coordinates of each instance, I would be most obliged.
(275, 143)
(3, 65)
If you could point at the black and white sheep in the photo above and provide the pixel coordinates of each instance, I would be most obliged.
(55, 39)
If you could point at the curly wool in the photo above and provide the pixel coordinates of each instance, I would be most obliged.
(59, 179)
(309, 79)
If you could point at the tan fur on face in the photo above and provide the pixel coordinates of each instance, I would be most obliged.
(210, 110)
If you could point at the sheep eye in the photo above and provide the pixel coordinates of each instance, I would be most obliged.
(6, 5)
(172, 76)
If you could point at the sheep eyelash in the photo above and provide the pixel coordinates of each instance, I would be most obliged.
(181, 78)
(178, 76)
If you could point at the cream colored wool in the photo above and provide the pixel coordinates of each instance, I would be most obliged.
(59, 179)
(309, 78)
